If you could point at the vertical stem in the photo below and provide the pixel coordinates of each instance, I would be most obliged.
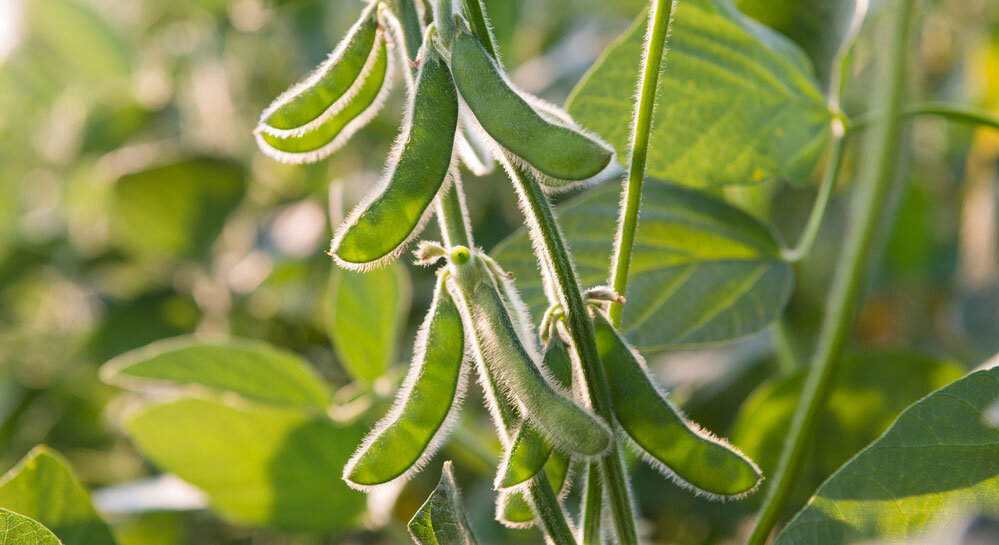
(658, 32)
(592, 506)
(551, 517)
(818, 213)
(451, 217)
(870, 194)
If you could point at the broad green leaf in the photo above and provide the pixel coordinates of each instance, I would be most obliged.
(176, 209)
(736, 104)
(364, 314)
(702, 271)
(818, 26)
(259, 465)
(442, 520)
(938, 460)
(18, 529)
(871, 389)
(251, 369)
(43, 487)
(79, 38)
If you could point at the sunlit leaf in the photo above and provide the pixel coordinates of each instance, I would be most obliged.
(18, 529)
(43, 487)
(442, 519)
(259, 465)
(736, 104)
(939, 459)
(79, 37)
(702, 271)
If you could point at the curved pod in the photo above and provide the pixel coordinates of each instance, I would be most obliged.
(669, 442)
(425, 406)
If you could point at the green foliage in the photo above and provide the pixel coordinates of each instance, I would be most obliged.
(525, 458)
(442, 519)
(43, 488)
(259, 465)
(703, 272)
(737, 103)
(20, 530)
(254, 370)
(938, 458)
(80, 39)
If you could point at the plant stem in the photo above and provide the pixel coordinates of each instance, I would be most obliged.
(870, 194)
(955, 112)
(551, 517)
(657, 35)
(451, 217)
(592, 507)
(787, 360)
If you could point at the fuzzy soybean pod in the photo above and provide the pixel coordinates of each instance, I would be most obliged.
(329, 89)
(543, 141)
(379, 228)
(669, 442)
(373, 86)
(425, 406)
(569, 427)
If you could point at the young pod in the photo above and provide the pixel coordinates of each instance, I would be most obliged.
(372, 88)
(512, 508)
(425, 406)
(569, 427)
(669, 442)
(378, 228)
(329, 89)
(544, 141)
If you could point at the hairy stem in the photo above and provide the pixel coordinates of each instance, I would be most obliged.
(592, 507)
(870, 195)
(818, 213)
(955, 112)
(551, 517)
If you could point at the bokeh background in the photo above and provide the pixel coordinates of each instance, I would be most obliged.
(135, 206)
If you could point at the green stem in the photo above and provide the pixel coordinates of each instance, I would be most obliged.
(870, 195)
(451, 217)
(787, 360)
(412, 30)
(551, 517)
(591, 514)
(818, 213)
(645, 106)
(955, 112)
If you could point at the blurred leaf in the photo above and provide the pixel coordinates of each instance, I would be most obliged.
(702, 271)
(79, 37)
(442, 520)
(152, 316)
(818, 26)
(251, 369)
(737, 103)
(871, 389)
(938, 460)
(259, 465)
(177, 209)
(20, 530)
(42, 487)
(364, 313)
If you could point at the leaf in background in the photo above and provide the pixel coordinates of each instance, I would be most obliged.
(127, 325)
(18, 529)
(259, 465)
(818, 26)
(871, 389)
(43, 487)
(364, 313)
(736, 104)
(251, 369)
(938, 460)
(176, 210)
(442, 520)
(702, 271)
(79, 38)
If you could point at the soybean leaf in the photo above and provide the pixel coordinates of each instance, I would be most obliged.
(254, 370)
(364, 313)
(702, 271)
(43, 487)
(871, 389)
(176, 209)
(258, 465)
(442, 520)
(79, 38)
(736, 102)
(818, 26)
(18, 529)
(940, 458)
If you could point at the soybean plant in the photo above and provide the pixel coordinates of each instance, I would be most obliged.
(570, 391)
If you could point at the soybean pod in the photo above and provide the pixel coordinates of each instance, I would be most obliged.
(329, 89)
(425, 406)
(379, 228)
(544, 141)
(667, 441)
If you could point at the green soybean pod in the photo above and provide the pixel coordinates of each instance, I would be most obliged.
(334, 132)
(667, 441)
(390, 216)
(544, 141)
(512, 509)
(329, 89)
(425, 407)
(569, 427)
